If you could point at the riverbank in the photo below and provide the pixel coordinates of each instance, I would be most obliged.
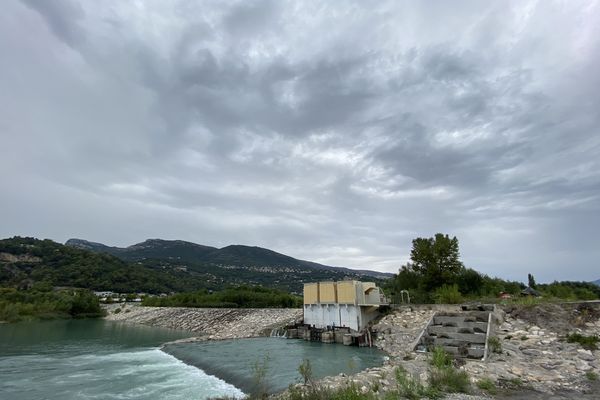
(532, 357)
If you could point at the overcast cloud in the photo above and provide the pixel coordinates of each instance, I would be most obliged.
(330, 131)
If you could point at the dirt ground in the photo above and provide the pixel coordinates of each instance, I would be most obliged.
(559, 318)
(592, 394)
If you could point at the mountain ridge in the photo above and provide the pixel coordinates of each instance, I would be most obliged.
(235, 254)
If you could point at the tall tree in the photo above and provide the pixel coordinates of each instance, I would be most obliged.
(531, 281)
(437, 259)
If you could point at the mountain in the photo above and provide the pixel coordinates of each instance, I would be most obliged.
(233, 264)
(28, 261)
(596, 282)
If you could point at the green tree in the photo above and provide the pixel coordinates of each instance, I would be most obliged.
(437, 259)
(531, 281)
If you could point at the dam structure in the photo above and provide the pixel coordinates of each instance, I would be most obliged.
(344, 304)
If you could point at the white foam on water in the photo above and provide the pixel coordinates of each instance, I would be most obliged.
(146, 374)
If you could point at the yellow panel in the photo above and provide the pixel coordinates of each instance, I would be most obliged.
(327, 293)
(346, 292)
(311, 293)
(368, 285)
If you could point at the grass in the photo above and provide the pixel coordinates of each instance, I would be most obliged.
(524, 337)
(411, 388)
(350, 392)
(494, 344)
(449, 380)
(591, 376)
(587, 342)
(443, 377)
(440, 358)
(487, 385)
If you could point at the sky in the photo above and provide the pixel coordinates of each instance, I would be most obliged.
(330, 131)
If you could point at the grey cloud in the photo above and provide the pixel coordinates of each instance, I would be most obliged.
(63, 18)
(331, 132)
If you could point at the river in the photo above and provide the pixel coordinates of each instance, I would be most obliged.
(97, 359)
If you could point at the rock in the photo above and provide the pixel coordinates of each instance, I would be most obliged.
(585, 355)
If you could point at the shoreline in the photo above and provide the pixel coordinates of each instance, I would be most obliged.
(543, 365)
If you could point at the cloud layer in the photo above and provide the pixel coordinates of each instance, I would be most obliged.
(334, 132)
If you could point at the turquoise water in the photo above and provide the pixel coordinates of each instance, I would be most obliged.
(236, 360)
(96, 359)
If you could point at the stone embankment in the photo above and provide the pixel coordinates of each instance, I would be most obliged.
(209, 323)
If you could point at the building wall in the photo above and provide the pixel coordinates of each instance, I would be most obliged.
(327, 292)
(311, 293)
(347, 292)
(341, 315)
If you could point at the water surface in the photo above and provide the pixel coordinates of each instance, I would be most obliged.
(96, 359)
(238, 361)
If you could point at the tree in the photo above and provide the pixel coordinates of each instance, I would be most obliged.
(531, 281)
(437, 259)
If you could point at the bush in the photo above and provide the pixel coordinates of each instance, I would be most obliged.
(410, 388)
(305, 370)
(494, 345)
(449, 380)
(587, 342)
(440, 358)
(487, 385)
(448, 295)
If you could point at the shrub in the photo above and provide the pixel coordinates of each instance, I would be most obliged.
(587, 342)
(494, 344)
(305, 370)
(410, 388)
(448, 295)
(487, 385)
(449, 380)
(591, 375)
(440, 358)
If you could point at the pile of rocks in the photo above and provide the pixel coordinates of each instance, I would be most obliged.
(539, 358)
(211, 323)
(397, 332)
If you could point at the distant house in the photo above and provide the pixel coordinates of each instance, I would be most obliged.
(351, 304)
(505, 296)
(528, 291)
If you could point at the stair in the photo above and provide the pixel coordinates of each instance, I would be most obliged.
(462, 334)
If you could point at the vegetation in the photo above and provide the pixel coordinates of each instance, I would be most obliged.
(156, 266)
(44, 303)
(443, 377)
(28, 261)
(243, 297)
(591, 376)
(495, 345)
(435, 274)
(587, 342)
(411, 388)
(305, 370)
(487, 385)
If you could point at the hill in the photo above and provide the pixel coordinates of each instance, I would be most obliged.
(27, 262)
(179, 251)
(156, 266)
(234, 264)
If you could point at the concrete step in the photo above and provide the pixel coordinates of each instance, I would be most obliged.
(438, 329)
(459, 322)
(464, 337)
(467, 352)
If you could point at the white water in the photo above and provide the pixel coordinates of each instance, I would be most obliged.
(145, 374)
